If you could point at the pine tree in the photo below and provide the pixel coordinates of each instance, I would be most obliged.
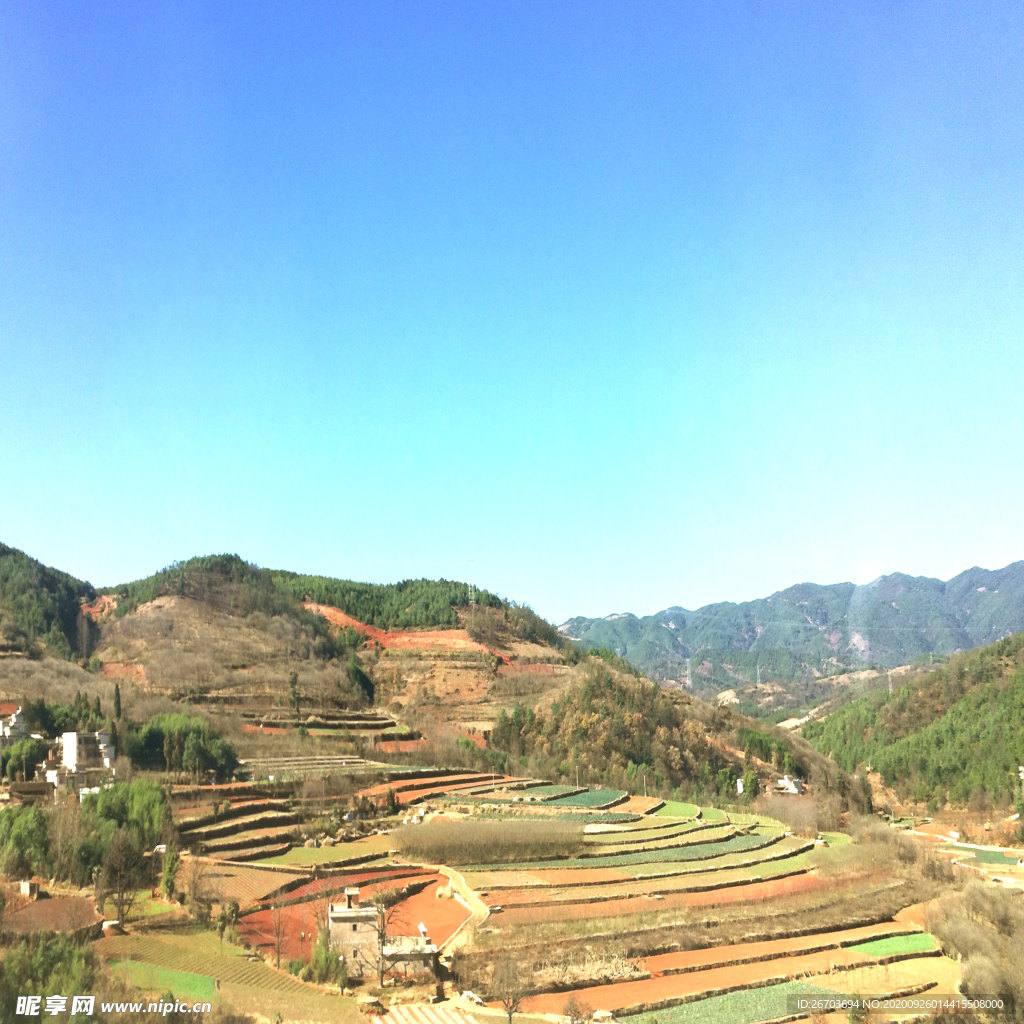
(117, 701)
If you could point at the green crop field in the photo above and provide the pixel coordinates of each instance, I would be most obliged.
(197, 958)
(713, 814)
(994, 857)
(743, 1007)
(918, 942)
(674, 809)
(180, 984)
(590, 798)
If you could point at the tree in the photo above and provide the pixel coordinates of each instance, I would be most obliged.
(508, 985)
(577, 1011)
(123, 872)
(169, 873)
(195, 887)
(279, 926)
(117, 700)
(384, 901)
(293, 691)
(3, 907)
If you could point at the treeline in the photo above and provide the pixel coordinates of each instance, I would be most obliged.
(613, 728)
(233, 584)
(387, 606)
(69, 841)
(497, 626)
(168, 742)
(179, 743)
(955, 734)
(40, 608)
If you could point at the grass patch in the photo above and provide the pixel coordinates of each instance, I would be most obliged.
(919, 942)
(743, 1007)
(182, 984)
(378, 845)
(675, 809)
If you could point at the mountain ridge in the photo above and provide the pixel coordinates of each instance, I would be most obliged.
(811, 630)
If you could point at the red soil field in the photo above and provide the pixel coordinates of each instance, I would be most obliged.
(445, 639)
(122, 669)
(754, 893)
(268, 730)
(397, 876)
(441, 917)
(639, 805)
(399, 746)
(627, 994)
(701, 959)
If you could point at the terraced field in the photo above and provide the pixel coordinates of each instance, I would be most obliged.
(708, 973)
(197, 954)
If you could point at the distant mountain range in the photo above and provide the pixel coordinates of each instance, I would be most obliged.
(810, 630)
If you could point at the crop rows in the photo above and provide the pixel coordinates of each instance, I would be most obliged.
(236, 969)
(745, 1007)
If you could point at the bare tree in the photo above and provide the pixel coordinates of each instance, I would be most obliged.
(385, 902)
(279, 925)
(195, 883)
(321, 916)
(122, 872)
(508, 985)
(576, 1011)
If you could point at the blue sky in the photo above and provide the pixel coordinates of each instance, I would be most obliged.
(629, 305)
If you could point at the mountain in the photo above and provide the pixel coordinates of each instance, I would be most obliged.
(40, 607)
(956, 733)
(812, 631)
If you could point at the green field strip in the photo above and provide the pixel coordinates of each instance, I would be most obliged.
(161, 979)
(994, 857)
(917, 942)
(680, 854)
(690, 882)
(590, 798)
(717, 834)
(713, 814)
(745, 1007)
(623, 837)
(675, 809)
(233, 968)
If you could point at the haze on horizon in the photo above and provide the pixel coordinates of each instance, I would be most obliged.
(629, 306)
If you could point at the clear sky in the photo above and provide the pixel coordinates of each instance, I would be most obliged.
(627, 304)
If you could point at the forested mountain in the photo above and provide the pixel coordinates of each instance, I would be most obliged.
(811, 630)
(956, 732)
(40, 606)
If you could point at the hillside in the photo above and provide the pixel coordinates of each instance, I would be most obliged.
(956, 733)
(811, 632)
(40, 608)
